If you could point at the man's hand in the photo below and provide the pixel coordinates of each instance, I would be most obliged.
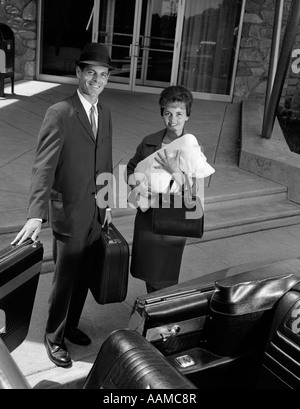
(108, 217)
(31, 229)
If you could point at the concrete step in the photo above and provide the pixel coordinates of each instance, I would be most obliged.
(235, 217)
(229, 211)
(259, 187)
(12, 218)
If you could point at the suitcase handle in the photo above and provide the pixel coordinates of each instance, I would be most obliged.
(16, 249)
(106, 227)
(108, 230)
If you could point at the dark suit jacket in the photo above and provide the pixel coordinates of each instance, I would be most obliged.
(68, 160)
(150, 143)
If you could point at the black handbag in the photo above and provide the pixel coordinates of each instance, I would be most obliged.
(178, 214)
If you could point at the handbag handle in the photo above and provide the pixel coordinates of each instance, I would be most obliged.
(189, 187)
(187, 184)
(188, 199)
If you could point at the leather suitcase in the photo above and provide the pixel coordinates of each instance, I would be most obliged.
(126, 360)
(108, 282)
(20, 267)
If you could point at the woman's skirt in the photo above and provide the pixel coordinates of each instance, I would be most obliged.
(155, 258)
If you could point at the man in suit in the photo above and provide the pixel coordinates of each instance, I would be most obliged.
(74, 146)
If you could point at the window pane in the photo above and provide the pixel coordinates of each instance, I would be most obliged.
(208, 45)
(64, 34)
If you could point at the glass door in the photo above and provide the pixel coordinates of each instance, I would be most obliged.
(115, 29)
(153, 43)
(156, 42)
(64, 33)
(140, 35)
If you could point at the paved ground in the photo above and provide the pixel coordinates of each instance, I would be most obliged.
(134, 115)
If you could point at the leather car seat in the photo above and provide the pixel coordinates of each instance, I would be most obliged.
(281, 359)
(126, 360)
(253, 341)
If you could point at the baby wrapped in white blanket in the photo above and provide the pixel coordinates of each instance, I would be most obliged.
(192, 162)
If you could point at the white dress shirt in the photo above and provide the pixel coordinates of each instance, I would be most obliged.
(87, 107)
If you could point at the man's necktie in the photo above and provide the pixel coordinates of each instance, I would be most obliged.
(93, 121)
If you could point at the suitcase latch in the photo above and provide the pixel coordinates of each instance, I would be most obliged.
(171, 332)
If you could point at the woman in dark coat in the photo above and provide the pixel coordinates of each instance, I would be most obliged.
(156, 258)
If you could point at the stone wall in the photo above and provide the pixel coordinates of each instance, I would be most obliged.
(21, 17)
(254, 56)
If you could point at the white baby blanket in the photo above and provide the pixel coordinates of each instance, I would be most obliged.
(192, 162)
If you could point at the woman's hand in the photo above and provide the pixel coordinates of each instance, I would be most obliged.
(171, 165)
(168, 163)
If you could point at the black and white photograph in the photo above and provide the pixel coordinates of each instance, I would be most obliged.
(150, 197)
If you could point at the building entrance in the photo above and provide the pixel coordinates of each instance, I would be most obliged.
(153, 43)
(141, 37)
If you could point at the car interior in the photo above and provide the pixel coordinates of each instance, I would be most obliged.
(20, 268)
(228, 329)
(240, 331)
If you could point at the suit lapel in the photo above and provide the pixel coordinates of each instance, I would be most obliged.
(100, 121)
(82, 117)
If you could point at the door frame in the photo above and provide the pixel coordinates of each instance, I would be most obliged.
(132, 85)
(173, 76)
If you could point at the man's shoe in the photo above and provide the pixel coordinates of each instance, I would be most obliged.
(76, 336)
(57, 353)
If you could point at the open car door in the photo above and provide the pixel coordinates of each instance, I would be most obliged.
(20, 267)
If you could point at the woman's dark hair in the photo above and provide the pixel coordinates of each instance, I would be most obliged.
(176, 93)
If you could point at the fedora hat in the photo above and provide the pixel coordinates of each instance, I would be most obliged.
(95, 54)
